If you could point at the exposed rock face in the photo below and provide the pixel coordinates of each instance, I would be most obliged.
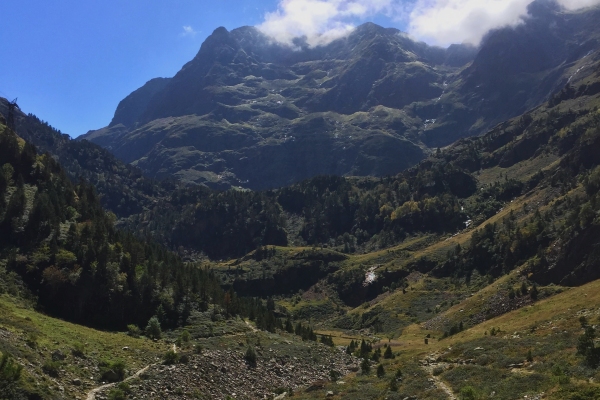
(249, 112)
(131, 107)
(516, 70)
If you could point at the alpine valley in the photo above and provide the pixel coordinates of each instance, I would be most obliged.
(374, 218)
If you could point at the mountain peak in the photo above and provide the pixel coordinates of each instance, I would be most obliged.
(247, 98)
(220, 31)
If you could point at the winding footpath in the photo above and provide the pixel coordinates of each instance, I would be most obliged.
(92, 393)
(440, 384)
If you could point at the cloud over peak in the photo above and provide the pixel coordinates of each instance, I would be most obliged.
(320, 21)
(443, 22)
(440, 22)
(456, 21)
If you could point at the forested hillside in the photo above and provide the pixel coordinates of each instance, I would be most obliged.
(65, 251)
(525, 195)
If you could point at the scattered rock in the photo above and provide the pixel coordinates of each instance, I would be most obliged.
(222, 373)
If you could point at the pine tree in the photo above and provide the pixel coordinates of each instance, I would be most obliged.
(270, 304)
(380, 371)
(376, 354)
(250, 355)
(153, 330)
(365, 366)
(388, 353)
(288, 326)
(587, 348)
(524, 289)
(534, 292)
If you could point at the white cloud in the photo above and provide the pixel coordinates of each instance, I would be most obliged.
(444, 22)
(440, 22)
(577, 4)
(321, 21)
(188, 31)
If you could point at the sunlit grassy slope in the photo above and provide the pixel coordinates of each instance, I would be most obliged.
(490, 357)
(32, 338)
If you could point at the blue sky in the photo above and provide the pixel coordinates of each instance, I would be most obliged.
(70, 62)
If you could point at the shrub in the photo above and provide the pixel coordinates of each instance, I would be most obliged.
(112, 371)
(170, 357)
(10, 373)
(120, 392)
(529, 356)
(334, 375)
(393, 385)
(468, 393)
(438, 371)
(9, 370)
(51, 367)
(134, 331)
(31, 340)
(185, 336)
(380, 371)
(483, 360)
(198, 349)
(250, 355)
(78, 350)
(116, 394)
(153, 330)
(560, 375)
(327, 340)
(124, 386)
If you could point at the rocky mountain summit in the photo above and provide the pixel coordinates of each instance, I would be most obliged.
(249, 112)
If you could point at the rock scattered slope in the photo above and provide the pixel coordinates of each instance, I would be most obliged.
(218, 374)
